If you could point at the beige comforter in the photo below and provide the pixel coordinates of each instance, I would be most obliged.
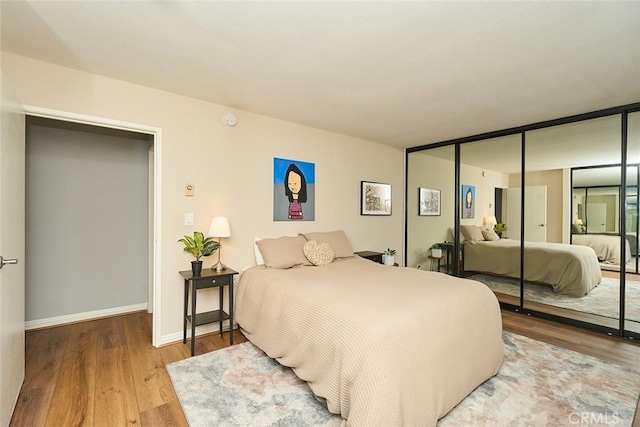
(386, 346)
(607, 247)
(570, 269)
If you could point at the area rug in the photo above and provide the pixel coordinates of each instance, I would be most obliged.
(538, 385)
(603, 300)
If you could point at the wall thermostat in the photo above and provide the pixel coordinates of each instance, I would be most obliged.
(230, 119)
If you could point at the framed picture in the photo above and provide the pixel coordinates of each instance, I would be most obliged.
(468, 198)
(375, 198)
(294, 190)
(428, 202)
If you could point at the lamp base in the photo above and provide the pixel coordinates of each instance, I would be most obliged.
(219, 267)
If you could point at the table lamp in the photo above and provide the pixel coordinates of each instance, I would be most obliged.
(219, 228)
(490, 221)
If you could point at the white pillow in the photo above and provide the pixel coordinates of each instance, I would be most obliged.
(256, 251)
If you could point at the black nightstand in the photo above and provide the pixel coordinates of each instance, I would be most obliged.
(373, 256)
(447, 253)
(208, 279)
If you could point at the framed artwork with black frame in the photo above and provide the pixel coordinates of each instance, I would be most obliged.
(375, 198)
(428, 202)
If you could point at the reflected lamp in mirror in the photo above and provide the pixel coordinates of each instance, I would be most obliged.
(219, 228)
(489, 221)
(578, 227)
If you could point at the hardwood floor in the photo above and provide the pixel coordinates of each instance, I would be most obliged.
(103, 373)
(106, 373)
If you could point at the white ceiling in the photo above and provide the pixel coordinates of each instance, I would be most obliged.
(398, 73)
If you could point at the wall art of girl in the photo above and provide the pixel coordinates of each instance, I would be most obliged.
(295, 189)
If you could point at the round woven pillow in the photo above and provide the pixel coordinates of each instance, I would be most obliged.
(318, 253)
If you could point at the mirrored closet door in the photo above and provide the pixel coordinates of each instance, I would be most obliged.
(632, 282)
(490, 194)
(545, 215)
(572, 233)
(430, 209)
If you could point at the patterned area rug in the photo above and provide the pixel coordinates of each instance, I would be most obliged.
(603, 300)
(539, 384)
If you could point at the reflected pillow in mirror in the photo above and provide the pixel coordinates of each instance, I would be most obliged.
(472, 233)
(490, 235)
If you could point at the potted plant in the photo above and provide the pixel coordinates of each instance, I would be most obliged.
(436, 250)
(500, 229)
(389, 256)
(199, 246)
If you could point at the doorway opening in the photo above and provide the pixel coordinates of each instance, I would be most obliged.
(152, 198)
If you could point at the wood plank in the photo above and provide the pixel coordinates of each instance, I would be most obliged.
(153, 386)
(33, 406)
(73, 398)
(169, 415)
(43, 356)
(115, 403)
(44, 352)
(111, 332)
(174, 352)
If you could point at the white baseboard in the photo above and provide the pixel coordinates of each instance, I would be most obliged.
(200, 330)
(79, 317)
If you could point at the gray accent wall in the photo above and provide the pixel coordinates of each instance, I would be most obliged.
(87, 219)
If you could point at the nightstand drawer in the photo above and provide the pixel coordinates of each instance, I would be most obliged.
(210, 282)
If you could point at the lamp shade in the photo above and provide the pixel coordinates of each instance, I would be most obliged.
(490, 220)
(219, 227)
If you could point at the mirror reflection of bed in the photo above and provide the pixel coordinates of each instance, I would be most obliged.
(576, 167)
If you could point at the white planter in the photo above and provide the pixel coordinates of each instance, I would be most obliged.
(389, 259)
(436, 253)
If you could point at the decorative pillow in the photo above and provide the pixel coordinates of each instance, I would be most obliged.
(336, 239)
(256, 251)
(472, 233)
(490, 235)
(318, 253)
(283, 252)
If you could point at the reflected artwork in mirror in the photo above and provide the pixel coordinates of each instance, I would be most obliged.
(552, 224)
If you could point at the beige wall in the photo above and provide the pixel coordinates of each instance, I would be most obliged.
(231, 167)
(423, 231)
(485, 182)
(435, 172)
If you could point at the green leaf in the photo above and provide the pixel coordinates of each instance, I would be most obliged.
(196, 245)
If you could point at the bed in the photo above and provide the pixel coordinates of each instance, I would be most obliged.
(571, 270)
(385, 346)
(607, 247)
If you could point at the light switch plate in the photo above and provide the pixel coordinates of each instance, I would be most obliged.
(189, 190)
(188, 218)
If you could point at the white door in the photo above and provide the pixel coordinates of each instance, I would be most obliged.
(12, 152)
(596, 217)
(535, 218)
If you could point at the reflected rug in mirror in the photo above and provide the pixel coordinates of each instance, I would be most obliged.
(603, 300)
(538, 384)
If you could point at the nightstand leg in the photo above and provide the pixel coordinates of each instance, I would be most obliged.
(186, 304)
(221, 299)
(194, 292)
(231, 312)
